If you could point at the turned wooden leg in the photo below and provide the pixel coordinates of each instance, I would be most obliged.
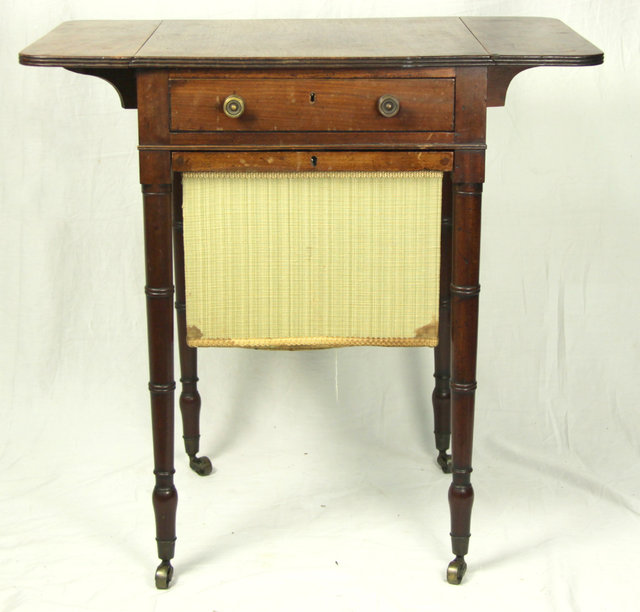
(189, 397)
(441, 397)
(159, 291)
(465, 289)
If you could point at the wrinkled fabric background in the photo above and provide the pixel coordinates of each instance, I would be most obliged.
(326, 495)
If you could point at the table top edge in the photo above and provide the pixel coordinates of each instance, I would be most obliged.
(479, 48)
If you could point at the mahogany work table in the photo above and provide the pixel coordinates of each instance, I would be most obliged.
(375, 96)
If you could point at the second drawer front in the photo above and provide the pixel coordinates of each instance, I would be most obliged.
(312, 104)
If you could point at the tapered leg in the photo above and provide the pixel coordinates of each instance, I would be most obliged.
(465, 289)
(189, 397)
(441, 397)
(159, 292)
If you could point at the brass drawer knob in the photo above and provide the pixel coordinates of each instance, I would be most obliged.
(388, 105)
(233, 106)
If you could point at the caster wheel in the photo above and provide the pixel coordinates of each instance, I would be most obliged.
(444, 461)
(164, 574)
(201, 465)
(456, 570)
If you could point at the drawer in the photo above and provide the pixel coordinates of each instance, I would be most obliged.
(288, 104)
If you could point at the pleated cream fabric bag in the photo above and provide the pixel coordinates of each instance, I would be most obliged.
(298, 260)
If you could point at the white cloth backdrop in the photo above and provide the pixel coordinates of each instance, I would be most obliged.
(326, 495)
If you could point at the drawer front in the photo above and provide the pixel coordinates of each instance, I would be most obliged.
(311, 161)
(343, 105)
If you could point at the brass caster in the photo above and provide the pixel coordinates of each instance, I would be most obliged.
(201, 465)
(444, 461)
(164, 574)
(456, 570)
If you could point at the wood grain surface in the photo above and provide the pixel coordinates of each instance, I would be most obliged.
(310, 161)
(311, 105)
(331, 43)
(90, 44)
(532, 41)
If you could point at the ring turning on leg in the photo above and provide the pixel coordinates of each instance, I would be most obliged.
(189, 397)
(441, 397)
(464, 291)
